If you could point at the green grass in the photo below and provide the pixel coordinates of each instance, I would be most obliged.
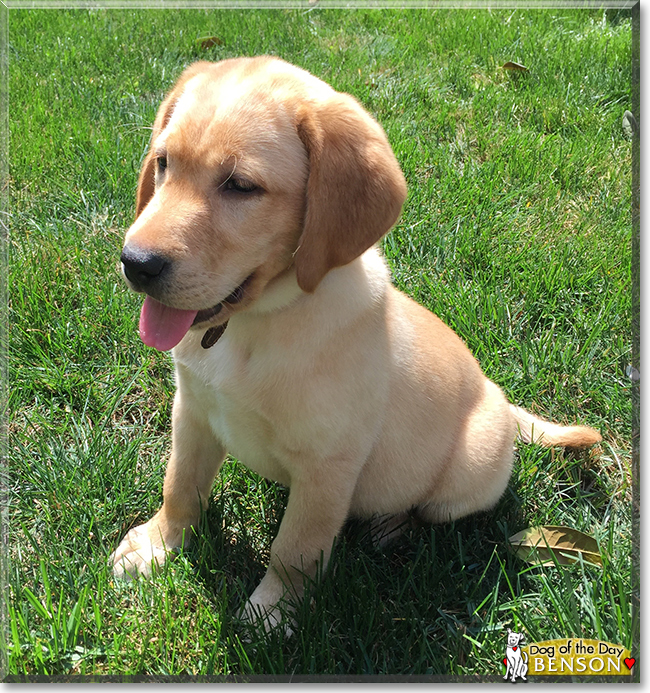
(516, 231)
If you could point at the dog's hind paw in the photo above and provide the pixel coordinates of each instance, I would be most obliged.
(385, 529)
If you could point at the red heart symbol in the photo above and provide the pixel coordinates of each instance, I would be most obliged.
(514, 648)
(629, 662)
(505, 661)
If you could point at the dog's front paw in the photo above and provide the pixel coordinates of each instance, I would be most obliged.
(263, 608)
(138, 551)
(268, 617)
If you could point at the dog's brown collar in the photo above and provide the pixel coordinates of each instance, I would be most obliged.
(213, 335)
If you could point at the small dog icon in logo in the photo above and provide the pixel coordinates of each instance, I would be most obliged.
(516, 665)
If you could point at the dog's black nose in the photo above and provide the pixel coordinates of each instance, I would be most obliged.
(143, 267)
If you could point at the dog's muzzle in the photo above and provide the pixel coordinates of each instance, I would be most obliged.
(143, 269)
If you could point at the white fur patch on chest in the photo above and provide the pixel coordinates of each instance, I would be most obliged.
(283, 387)
(224, 383)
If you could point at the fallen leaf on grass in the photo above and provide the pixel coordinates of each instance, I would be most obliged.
(514, 66)
(555, 544)
(209, 41)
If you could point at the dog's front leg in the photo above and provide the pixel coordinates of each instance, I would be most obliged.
(509, 666)
(317, 508)
(195, 459)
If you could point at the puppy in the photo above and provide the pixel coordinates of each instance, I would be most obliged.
(258, 208)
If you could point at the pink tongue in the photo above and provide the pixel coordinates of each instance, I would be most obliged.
(162, 327)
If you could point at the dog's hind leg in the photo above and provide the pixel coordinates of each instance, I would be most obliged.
(480, 465)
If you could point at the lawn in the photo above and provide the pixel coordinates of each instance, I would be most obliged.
(517, 232)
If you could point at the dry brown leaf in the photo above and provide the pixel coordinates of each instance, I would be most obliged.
(555, 544)
(516, 67)
(209, 41)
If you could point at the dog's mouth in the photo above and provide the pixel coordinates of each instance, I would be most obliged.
(163, 327)
(232, 299)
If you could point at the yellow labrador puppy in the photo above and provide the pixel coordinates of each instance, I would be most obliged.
(258, 209)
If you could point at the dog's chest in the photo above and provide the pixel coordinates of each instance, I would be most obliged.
(249, 436)
(249, 401)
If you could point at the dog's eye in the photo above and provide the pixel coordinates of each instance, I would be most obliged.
(240, 185)
(162, 163)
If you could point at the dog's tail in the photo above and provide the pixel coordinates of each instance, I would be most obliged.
(535, 430)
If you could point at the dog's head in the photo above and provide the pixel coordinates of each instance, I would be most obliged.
(514, 638)
(255, 169)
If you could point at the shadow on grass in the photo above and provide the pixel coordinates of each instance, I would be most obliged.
(416, 607)
(403, 609)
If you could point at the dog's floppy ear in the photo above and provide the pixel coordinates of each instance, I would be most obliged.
(355, 189)
(146, 180)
